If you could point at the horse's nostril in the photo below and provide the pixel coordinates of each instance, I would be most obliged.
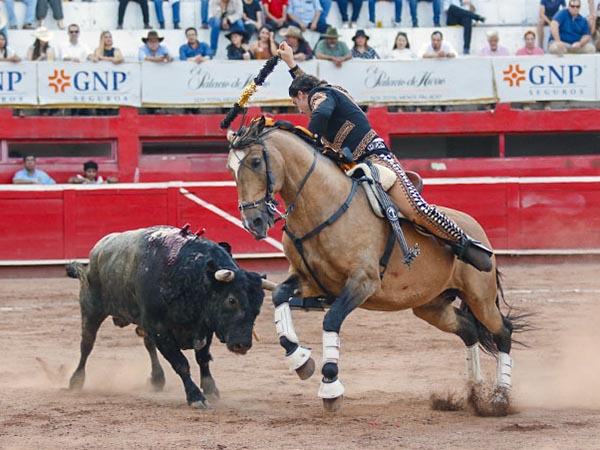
(257, 223)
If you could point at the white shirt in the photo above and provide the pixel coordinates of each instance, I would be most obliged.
(79, 51)
(404, 54)
(9, 53)
(445, 47)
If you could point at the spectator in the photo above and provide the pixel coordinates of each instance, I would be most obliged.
(6, 53)
(30, 175)
(158, 6)
(438, 48)
(462, 12)
(306, 14)
(238, 49)
(152, 50)
(145, 13)
(530, 49)
(361, 48)
(595, 28)
(41, 50)
(29, 14)
(397, 13)
(325, 8)
(74, 50)
(401, 49)
(204, 6)
(194, 50)
(224, 15)
(493, 48)
(437, 9)
(90, 175)
(548, 8)
(570, 31)
(3, 20)
(265, 46)
(106, 51)
(253, 17)
(356, 7)
(275, 13)
(41, 11)
(331, 49)
(300, 48)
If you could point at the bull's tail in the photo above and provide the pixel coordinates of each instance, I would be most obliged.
(76, 270)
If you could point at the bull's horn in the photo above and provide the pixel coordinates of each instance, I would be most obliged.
(268, 285)
(224, 275)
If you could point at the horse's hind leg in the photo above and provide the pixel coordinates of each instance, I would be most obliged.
(297, 356)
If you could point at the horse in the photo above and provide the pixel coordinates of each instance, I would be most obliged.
(334, 244)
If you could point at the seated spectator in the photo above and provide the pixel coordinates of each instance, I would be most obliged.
(194, 50)
(438, 48)
(548, 9)
(462, 12)
(145, 13)
(361, 49)
(106, 51)
(152, 50)
(253, 17)
(238, 49)
(356, 7)
(275, 13)
(570, 31)
(530, 49)
(74, 50)
(41, 11)
(331, 49)
(493, 48)
(265, 46)
(90, 175)
(306, 14)
(437, 9)
(29, 14)
(300, 48)
(401, 49)
(595, 28)
(397, 13)
(30, 175)
(6, 53)
(224, 15)
(158, 6)
(41, 50)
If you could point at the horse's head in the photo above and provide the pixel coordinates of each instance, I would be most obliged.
(253, 170)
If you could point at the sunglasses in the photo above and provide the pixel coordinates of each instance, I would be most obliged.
(73, 31)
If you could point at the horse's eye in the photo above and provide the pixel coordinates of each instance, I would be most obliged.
(255, 163)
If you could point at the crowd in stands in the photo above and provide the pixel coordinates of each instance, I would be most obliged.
(30, 174)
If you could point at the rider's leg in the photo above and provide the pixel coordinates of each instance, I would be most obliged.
(416, 209)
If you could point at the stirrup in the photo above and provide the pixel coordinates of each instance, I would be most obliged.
(473, 252)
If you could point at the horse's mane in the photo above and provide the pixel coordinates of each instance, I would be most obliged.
(251, 134)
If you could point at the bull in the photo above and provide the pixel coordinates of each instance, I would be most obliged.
(179, 289)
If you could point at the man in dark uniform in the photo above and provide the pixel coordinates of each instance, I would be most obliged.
(339, 122)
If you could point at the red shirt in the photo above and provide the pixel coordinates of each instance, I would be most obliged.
(276, 7)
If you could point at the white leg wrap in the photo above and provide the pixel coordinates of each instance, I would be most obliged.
(284, 323)
(473, 364)
(331, 347)
(504, 371)
(334, 389)
(298, 357)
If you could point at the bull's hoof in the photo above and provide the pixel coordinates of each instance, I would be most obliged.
(200, 404)
(332, 405)
(157, 383)
(306, 370)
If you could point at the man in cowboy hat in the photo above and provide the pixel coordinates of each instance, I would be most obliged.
(331, 49)
(300, 48)
(152, 50)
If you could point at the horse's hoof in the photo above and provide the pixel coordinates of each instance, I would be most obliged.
(306, 370)
(331, 405)
(500, 402)
(200, 404)
(76, 382)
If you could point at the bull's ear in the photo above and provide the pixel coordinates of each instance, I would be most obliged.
(227, 247)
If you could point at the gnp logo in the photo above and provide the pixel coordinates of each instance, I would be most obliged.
(87, 82)
(548, 75)
(9, 79)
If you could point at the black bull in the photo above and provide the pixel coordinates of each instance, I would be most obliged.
(179, 289)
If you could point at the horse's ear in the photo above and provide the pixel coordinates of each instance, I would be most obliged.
(231, 135)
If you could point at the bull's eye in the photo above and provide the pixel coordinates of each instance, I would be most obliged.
(231, 301)
(255, 163)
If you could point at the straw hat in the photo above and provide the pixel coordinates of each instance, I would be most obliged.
(292, 31)
(152, 34)
(42, 34)
(3, 18)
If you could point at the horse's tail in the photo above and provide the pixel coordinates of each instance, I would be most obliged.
(516, 323)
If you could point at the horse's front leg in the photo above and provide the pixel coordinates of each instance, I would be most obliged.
(357, 290)
(297, 356)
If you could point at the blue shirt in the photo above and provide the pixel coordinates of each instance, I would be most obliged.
(304, 10)
(551, 7)
(571, 29)
(145, 52)
(38, 177)
(187, 51)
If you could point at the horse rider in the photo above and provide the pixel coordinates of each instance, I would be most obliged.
(339, 122)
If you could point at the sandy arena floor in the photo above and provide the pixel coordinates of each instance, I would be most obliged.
(391, 363)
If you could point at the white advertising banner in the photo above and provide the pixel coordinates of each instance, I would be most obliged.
(96, 84)
(213, 83)
(414, 82)
(18, 83)
(532, 78)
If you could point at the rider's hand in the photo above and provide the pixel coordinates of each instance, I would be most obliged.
(286, 53)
